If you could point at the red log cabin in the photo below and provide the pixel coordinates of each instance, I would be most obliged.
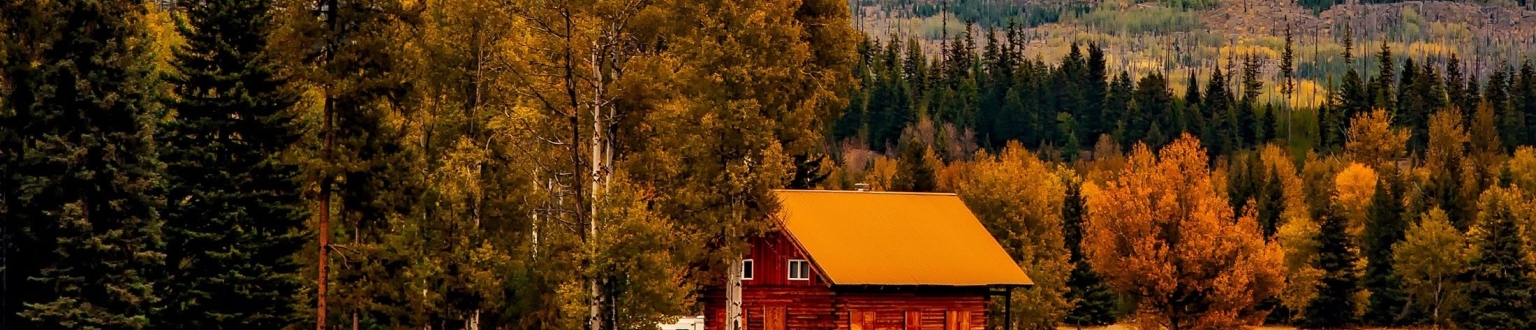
(857, 260)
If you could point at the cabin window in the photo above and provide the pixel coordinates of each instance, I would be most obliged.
(799, 270)
(746, 269)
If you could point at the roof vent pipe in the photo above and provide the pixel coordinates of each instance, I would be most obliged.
(861, 186)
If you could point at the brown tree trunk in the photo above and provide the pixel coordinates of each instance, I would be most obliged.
(325, 221)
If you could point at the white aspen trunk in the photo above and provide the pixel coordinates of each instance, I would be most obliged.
(733, 314)
(597, 166)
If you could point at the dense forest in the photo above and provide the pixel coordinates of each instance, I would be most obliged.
(530, 164)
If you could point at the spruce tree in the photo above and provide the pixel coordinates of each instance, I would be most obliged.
(1334, 306)
(1497, 92)
(913, 171)
(1093, 302)
(1247, 121)
(1523, 117)
(83, 187)
(1194, 120)
(1352, 98)
(1121, 117)
(1271, 202)
(238, 214)
(1499, 285)
(1154, 109)
(1381, 89)
(1217, 111)
(1264, 129)
(1090, 118)
(1384, 227)
(1457, 90)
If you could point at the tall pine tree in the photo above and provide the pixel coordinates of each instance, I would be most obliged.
(237, 214)
(1334, 306)
(81, 106)
(1384, 227)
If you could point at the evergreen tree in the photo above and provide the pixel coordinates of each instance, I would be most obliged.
(1093, 302)
(1335, 303)
(1121, 118)
(1457, 90)
(1497, 92)
(1247, 123)
(1407, 102)
(1154, 110)
(1091, 119)
(1381, 88)
(1216, 110)
(238, 216)
(1499, 284)
(1265, 129)
(1384, 227)
(1352, 99)
(1523, 115)
(83, 189)
(1194, 120)
(1271, 202)
(913, 171)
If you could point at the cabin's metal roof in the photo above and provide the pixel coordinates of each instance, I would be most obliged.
(894, 238)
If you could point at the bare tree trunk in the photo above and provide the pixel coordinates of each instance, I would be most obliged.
(325, 217)
(733, 296)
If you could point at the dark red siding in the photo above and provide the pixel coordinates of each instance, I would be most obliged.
(815, 304)
(770, 257)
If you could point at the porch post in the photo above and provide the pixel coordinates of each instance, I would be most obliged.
(1008, 309)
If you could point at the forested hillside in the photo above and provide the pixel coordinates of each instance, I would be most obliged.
(532, 164)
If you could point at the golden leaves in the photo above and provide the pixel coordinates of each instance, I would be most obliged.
(1353, 189)
(1373, 141)
(1019, 198)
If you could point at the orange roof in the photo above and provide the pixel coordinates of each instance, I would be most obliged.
(892, 238)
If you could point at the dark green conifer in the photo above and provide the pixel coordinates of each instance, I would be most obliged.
(1384, 227)
(237, 214)
(1094, 302)
(82, 185)
(1499, 285)
(1335, 304)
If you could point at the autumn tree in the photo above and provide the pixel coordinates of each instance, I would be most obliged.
(1429, 260)
(237, 214)
(1021, 201)
(1373, 141)
(83, 185)
(1443, 159)
(1162, 233)
(1521, 169)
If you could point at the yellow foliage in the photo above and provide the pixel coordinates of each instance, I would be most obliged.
(1019, 198)
(881, 175)
(1161, 231)
(1522, 169)
(1373, 141)
(1353, 189)
(1279, 159)
(1429, 258)
(1447, 141)
(1298, 238)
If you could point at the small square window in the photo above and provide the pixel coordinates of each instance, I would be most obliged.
(746, 269)
(799, 270)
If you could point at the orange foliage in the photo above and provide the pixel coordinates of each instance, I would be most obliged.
(1161, 232)
(1353, 189)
